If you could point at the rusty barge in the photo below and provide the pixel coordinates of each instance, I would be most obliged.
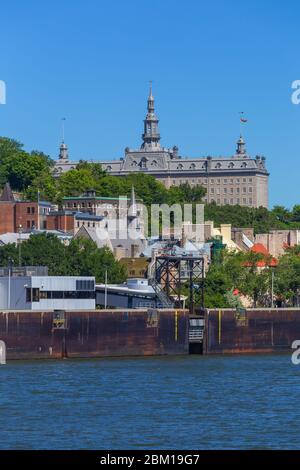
(146, 332)
(93, 333)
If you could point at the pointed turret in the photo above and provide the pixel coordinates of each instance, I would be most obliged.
(63, 152)
(7, 195)
(63, 149)
(151, 136)
(241, 147)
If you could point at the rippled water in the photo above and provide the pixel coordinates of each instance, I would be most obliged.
(154, 403)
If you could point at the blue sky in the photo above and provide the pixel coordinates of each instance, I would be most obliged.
(91, 61)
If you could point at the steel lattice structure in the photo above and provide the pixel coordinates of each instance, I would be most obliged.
(172, 272)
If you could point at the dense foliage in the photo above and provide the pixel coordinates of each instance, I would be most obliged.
(80, 258)
(239, 272)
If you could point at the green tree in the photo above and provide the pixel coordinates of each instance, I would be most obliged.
(287, 277)
(19, 167)
(80, 258)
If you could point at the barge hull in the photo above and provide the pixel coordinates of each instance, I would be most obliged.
(256, 331)
(91, 334)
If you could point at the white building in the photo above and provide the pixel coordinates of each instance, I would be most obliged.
(47, 293)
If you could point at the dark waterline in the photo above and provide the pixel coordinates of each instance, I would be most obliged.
(192, 402)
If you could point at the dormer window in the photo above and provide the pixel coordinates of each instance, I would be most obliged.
(143, 163)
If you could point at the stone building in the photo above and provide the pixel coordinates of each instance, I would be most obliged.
(238, 179)
(277, 241)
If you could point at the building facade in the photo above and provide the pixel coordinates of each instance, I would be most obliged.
(21, 215)
(42, 292)
(238, 179)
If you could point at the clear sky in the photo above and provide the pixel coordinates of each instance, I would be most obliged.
(91, 61)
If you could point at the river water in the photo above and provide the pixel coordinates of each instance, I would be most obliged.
(194, 402)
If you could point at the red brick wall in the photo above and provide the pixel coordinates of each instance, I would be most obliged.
(7, 217)
(60, 222)
(26, 215)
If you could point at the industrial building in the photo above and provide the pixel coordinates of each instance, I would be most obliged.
(30, 288)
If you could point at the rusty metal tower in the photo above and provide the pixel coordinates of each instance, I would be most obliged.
(175, 272)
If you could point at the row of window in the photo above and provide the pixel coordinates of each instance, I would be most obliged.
(217, 166)
(86, 224)
(35, 294)
(214, 181)
(43, 210)
(30, 223)
(232, 190)
(30, 210)
(232, 201)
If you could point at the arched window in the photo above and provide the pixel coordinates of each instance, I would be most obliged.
(108, 168)
(244, 165)
(231, 165)
(218, 165)
(193, 166)
(180, 166)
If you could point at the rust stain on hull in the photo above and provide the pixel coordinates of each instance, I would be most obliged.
(259, 331)
(91, 334)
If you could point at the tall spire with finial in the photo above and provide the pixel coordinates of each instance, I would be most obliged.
(151, 136)
(63, 149)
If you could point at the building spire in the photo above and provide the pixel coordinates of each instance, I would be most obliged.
(241, 147)
(132, 212)
(63, 149)
(151, 136)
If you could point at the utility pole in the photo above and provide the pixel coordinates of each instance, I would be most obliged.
(10, 263)
(105, 291)
(272, 287)
(20, 243)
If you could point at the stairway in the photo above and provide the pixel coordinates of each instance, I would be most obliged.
(161, 295)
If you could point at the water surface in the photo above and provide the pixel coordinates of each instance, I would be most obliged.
(193, 402)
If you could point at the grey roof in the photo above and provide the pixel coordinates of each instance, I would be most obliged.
(154, 159)
(87, 216)
(7, 195)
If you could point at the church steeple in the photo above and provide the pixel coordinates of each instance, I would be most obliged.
(151, 136)
(241, 147)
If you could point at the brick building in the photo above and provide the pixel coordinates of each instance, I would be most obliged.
(24, 215)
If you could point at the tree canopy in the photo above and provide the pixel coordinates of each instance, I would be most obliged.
(80, 258)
